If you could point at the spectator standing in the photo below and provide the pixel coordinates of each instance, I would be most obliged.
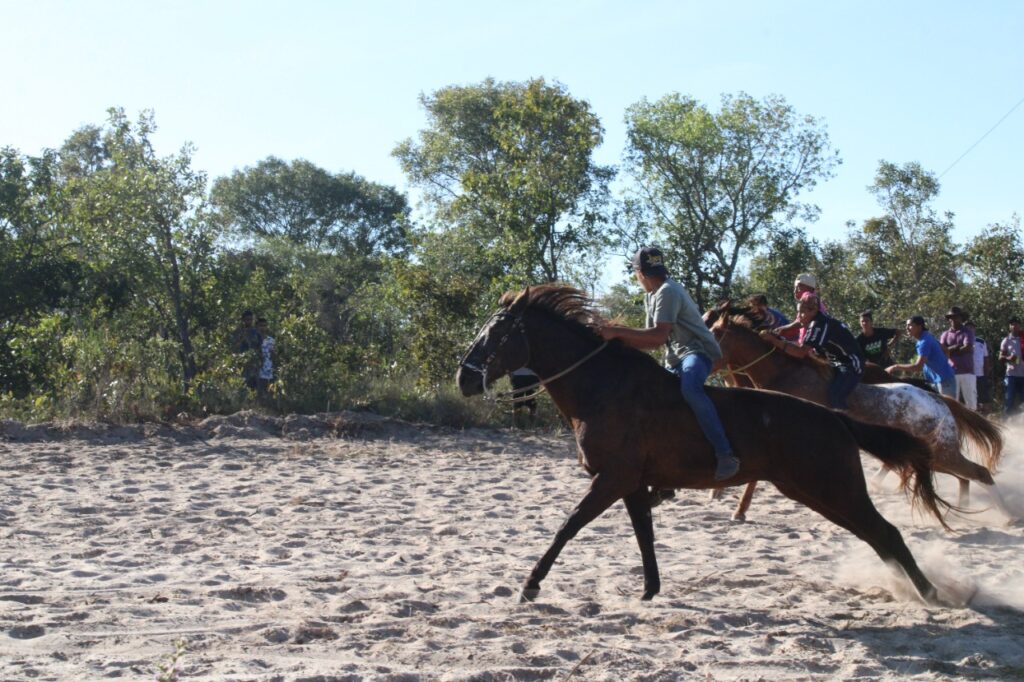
(982, 369)
(266, 372)
(931, 359)
(247, 340)
(876, 342)
(524, 383)
(958, 343)
(1010, 353)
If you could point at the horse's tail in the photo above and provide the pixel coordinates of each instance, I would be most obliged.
(986, 435)
(908, 456)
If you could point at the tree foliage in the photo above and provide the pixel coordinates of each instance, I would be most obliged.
(139, 218)
(39, 273)
(342, 213)
(714, 185)
(906, 260)
(512, 163)
(124, 274)
(994, 278)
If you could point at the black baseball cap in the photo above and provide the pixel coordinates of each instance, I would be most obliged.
(649, 261)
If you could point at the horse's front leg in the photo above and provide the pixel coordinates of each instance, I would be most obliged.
(744, 504)
(604, 490)
(638, 504)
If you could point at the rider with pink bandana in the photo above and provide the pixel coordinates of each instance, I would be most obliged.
(805, 283)
(830, 339)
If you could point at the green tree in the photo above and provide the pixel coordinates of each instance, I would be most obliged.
(786, 253)
(995, 278)
(140, 218)
(715, 185)
(906, 260)
(439, 298)
(39, 273)
(625, 305)
(342, 213)
(35, 270)
(512, 163)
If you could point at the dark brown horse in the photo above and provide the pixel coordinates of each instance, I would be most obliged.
(633, 431)
(940, 421)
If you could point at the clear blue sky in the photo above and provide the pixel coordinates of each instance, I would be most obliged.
(337, 82)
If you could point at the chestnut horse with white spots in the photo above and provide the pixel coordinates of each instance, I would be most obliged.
(940, 421)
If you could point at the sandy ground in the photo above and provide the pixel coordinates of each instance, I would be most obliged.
(349, 547)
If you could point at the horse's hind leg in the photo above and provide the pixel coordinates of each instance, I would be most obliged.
(744, 504)
(852, 509)
(604, 490)
(963, 498)
(638, 504)
(965, 470)
(997, 497)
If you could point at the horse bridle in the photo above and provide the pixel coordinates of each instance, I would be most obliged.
(517, 325)
(742, 371)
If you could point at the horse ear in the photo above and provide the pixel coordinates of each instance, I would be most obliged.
(519, 305)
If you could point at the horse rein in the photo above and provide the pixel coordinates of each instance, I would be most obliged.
(731, 373)
(509, 397)
(505, 396)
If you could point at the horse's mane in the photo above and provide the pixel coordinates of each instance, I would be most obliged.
(573, 306)
(742, 316)
(561, 300)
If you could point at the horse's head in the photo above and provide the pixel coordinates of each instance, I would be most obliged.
(735, 328)
(500, 347)
(717, 316)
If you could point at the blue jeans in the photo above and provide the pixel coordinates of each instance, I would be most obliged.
(693, 372)
(843, 383)
(1013, 397)
(947, 387)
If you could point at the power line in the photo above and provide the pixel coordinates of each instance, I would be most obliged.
(1012, 109)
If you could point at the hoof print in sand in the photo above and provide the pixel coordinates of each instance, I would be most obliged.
(22, 598)
(310, 632)
(252, 594)
(276, 635)
(27, 631)
(409, 608)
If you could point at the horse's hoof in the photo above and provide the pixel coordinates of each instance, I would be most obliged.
(932, 598)
(528, 594)
(649, 595)
(739, 518)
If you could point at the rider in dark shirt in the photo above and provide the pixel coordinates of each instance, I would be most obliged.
(828, 337)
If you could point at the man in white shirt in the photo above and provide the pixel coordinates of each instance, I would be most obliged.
(982, 369)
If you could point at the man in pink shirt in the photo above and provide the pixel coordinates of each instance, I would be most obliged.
(958, 343)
